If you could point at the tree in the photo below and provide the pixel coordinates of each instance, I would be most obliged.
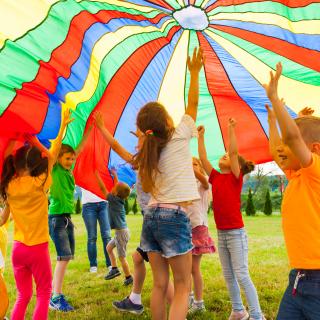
(135, 206)
(250, 209)
(126, 206)
(268, 205)
(78, 206)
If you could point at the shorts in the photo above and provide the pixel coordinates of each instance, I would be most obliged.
(202, 241)
(61, 231)
(166, 231)
(120, 242)
(143, 254)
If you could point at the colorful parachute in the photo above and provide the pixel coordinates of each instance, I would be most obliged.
(114, 56)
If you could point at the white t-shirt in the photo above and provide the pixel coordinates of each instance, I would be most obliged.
(198, 210)
(89, 197)
(176, 181)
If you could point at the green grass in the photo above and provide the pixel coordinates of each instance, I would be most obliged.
(92, 296)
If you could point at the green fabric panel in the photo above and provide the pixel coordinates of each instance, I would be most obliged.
(110, 65)
(20, 59)
(174, 4)
(310, 12)
(291, 69)
(206, 114)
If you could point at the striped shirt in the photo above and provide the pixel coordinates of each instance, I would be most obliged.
(176, 181)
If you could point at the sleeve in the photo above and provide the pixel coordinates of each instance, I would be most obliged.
(314, 168)
(187, 128)
(213, 174)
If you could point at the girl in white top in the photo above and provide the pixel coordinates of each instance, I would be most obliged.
(165, 166)
(202, 242)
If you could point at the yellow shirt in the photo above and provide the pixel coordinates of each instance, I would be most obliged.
(301, 216)
(28, 201)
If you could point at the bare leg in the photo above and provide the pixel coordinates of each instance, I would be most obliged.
(160, 272)
(181, 269)
(170, 292)
(139, 271)
(124, 265)
(197, 277)
(58, 276)
(111, 255)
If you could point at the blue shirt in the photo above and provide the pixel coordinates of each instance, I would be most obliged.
(117, 212)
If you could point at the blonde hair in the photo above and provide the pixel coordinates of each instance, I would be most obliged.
(309, 127)
(122, 190)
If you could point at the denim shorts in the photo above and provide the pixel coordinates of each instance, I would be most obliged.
(166, 231)
(61, 231)
(120, 241)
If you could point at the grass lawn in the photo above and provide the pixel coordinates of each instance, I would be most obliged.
(91, 295)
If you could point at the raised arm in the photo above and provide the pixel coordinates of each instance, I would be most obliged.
(58, 141)
(202, 178)
(9, 148)
(4, 215)
(274, 136)
(101, 184)
(83, 141)
(233, 148)
(203, 152)
(289, 130)
(114, 144)
(194, 66)
(115, 176)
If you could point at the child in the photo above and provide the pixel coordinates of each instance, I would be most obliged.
(297, 152)
(232, 237)
(117, 215)
(133, 302)
(60, 209)
(25, 180)
(202, 242)
(164, 163)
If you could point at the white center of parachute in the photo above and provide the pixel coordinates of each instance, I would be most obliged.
(191, 18)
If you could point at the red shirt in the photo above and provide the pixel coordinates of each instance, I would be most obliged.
(226, 191)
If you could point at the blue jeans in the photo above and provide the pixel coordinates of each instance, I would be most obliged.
(91, 213)
(305, 303)
(233, 253)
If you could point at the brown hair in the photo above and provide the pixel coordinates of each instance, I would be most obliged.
(25, 158)
(309, 127)
(152, 120)
(246, 166)
(65, 148)
(122, 190)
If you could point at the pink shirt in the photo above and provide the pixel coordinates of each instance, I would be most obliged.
(226, 203)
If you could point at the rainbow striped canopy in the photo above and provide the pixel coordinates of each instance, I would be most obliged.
(115, 56)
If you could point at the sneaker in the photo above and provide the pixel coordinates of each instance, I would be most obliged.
(112, 274)
(263, 318)
(197, 307)
(60, 304)
(93, 269)
(128, 281)
(126, 305)
(239, 315)
(109, 268)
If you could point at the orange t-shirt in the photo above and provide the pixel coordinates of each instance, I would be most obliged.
(28, 201)
(301, 216)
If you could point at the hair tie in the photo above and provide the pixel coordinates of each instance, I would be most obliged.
(149, 133)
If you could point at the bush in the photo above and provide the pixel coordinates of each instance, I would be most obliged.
(78, 206)
(267, 209)
(250, 209)
(135, 206)
(126, 206)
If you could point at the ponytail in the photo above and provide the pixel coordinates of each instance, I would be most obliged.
(8, 172)
(246, 166)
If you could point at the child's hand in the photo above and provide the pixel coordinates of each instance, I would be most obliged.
(272, 87)
(197, 61)
(113, 171)
(306, 111)
(232, 123)
(67, 117)
(201, 131)
(98, 118)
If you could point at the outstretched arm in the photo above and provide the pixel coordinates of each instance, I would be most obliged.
(194, 66)
(289, 130)
(233, 148)
(274, 136)
(203, 152)
(114, 144)
(202, 178)
(83, 140)
(115, 176)
(4, 215)
(58, 141)
(101, 184)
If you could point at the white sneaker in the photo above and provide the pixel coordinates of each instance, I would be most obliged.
(109, 268)
(93, 269)
(239, 315)
(263, 318)
(197, 307)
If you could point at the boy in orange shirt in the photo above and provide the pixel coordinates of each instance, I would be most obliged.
(298, 154)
